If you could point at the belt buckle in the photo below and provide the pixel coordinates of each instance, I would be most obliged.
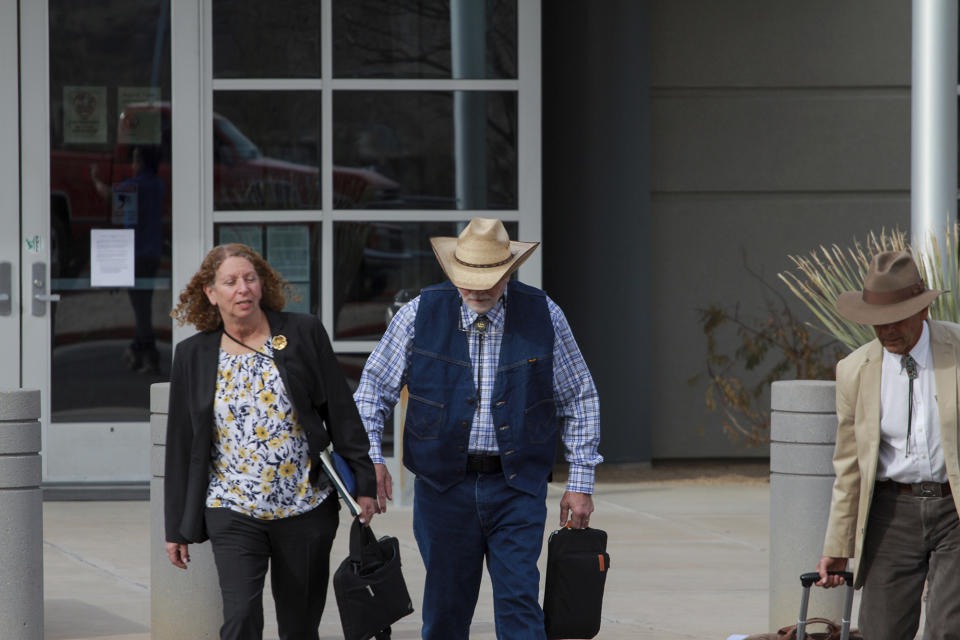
(930, 490)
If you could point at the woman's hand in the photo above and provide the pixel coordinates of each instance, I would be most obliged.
(368, 507)
(179, 554)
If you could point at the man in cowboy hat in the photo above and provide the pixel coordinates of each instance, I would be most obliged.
(494, 376)
(896, 458)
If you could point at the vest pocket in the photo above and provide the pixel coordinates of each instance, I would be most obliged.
(540, 420)
(424, 418)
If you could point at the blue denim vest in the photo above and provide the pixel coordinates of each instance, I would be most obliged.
(443, 397)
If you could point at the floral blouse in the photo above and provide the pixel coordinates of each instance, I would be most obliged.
(259, 462)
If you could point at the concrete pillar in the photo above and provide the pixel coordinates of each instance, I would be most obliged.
(183, 604)
(803, 430)
(21, 522)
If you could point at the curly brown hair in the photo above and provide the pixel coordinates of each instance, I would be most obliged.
(195, 308)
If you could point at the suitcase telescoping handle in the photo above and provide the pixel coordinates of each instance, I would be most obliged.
(808, 579)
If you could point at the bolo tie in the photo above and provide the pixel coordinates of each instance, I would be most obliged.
(910, 365)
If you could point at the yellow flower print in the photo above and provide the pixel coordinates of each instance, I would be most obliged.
(227, 446)
(216, 503)
(287, 469)
(262, 432)
(226, 374)
(230, 417)
(281, 512)
(243, 467)
(254, 457)
(296, 430)
(243, 452)
(268, 474)
(285, 436)
(275, 443)
(265, 489)
(302, 491)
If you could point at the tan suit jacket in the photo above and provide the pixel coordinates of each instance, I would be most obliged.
(858, 436)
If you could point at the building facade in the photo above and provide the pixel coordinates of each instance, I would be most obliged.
(648, 145)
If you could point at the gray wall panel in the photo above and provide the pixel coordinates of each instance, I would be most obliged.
(698, 258)
(789, 141)
(705, 43)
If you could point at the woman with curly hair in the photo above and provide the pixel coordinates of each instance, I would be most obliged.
(254, 398)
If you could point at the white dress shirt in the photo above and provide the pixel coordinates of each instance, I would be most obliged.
(925, 460)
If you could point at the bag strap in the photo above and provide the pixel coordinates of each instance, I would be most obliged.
(360, 537)
(790, 632)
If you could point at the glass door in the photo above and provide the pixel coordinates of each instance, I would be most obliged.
(10, 204)
(96, 101)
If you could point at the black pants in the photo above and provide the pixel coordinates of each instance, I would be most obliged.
(298, 552)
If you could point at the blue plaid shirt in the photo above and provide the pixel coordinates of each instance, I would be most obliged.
(578, 407)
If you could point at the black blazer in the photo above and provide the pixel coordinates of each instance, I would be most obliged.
(317, 389)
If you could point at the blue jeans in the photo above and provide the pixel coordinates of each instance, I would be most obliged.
(481, 517)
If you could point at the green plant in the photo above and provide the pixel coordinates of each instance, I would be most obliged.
(826, 273)
(769, 347)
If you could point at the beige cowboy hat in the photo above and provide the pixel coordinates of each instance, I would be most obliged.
(482, 255)
(892, 290)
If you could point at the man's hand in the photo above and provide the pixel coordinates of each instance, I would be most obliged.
(384, 487)
(179, 554)
(830, 564)
(368, 507)
(578, 506)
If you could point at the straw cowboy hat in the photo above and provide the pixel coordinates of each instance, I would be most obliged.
(892, 290)
(482, 255)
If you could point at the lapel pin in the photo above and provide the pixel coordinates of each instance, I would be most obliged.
(279, 342)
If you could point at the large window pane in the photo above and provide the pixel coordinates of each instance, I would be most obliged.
(109, 170)
(256, 39)
(428, 149)
(379, 266)
(266, 150)
(460, 39)
(292, 249)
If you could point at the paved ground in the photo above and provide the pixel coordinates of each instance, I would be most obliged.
(689, 558)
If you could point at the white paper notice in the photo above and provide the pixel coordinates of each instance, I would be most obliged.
(111, 258)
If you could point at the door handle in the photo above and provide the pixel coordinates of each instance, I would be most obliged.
(5, 290)
(40, 295)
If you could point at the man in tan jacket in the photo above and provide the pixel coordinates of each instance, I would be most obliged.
(896, 458)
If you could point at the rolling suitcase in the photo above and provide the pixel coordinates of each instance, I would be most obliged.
(833, 631)
(577, 563)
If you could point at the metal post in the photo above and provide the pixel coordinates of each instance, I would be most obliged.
(933, 203)
(21, 522)
(803, 429)
(468, 49)
(183, 604)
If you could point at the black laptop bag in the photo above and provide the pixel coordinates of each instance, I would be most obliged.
(371, 593)
(577, 564)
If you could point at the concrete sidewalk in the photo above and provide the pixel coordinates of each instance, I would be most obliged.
(688, 560)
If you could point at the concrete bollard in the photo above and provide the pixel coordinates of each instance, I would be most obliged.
(183, 604)
(21, 525)
(803, 430)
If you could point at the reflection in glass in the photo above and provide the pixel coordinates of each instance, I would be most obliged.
(380, 266)
(442, 149)
(266, 150)
(462, 39)
(109, 169)
(255, 39)
(292, 249)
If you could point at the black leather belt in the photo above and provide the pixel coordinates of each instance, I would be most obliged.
(484, 464)
(918, 489)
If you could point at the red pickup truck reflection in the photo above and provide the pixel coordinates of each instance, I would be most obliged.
(243, 179)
